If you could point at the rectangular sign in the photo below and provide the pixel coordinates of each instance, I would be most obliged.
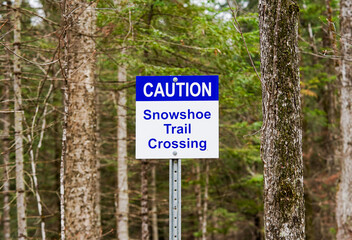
(177, 117)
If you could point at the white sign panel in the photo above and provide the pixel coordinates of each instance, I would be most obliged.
(177, 117)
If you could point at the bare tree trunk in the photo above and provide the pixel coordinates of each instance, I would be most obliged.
(198, 192)
(281, 148)
(6, 158)
(98, 191)
(144, 200)
(205, 202)
(6, 139)
(154, 207)
(344, 194)
(20, 187)
(81, 220)
(122, 162)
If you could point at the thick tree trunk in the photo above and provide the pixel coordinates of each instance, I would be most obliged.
(20, 187)
(154, 207)
(122, 163)
(144, 200)
(344, 195)
(81, 220)
(281, 147)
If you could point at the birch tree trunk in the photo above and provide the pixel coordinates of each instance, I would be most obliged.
(281, 148)
(154, 207)
(81, 219)
(122, 172)
(20, 187)
(344, 194)
(144, 200)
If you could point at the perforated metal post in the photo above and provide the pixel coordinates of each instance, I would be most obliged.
(175, 200)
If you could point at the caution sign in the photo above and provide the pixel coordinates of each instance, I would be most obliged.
(177, 117)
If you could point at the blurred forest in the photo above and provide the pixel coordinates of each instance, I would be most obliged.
(221, 198)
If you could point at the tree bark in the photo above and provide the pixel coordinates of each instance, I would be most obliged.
(281, 148)
(344, 194)
(81, 219)
(6, 136)
(20, 187)
(205, 202)
(144, 200)
(122, 163)
(154, 206)
(198, 192)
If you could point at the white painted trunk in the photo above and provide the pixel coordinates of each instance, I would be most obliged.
(20, 187)
(344, 195)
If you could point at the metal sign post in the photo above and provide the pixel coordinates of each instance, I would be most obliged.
(175, 199)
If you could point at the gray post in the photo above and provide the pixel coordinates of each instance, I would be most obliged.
(175, 200)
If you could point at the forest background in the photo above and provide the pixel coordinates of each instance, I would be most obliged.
(222, 198)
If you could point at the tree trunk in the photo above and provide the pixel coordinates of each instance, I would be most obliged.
(20, 187)
(281, 148)
(6, 159)
(6, 136)
(205, 202)
(144, 200)
(198, 192)
(154, 207)
(344, 194)
(81, 219)
(122, 172)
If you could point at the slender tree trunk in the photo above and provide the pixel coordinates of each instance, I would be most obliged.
(122, 200)
(20, 187)
(6, 138)
(144, 200)
(122, 163)
(281, 148)
(344, 194)
(98, 191)
(205, 202)
(81, 220)
(198, 192)
(6, 159)
(154, 207)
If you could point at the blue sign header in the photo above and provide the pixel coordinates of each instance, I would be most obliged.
(177, 88)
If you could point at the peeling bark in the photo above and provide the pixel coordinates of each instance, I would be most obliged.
(344, 194)
(80, 184)
(281, 148)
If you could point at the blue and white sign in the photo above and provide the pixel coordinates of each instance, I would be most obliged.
(177, 117)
